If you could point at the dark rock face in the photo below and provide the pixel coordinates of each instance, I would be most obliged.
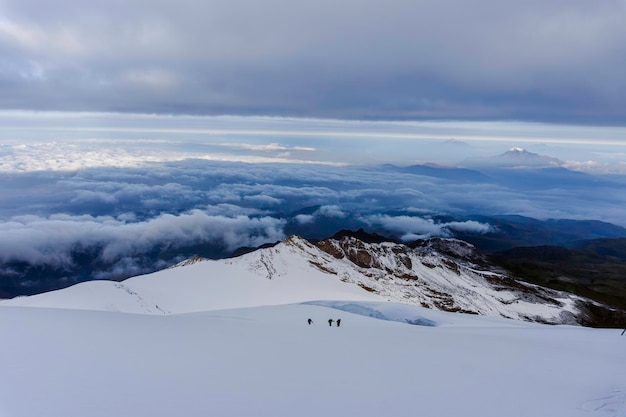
(392, 266)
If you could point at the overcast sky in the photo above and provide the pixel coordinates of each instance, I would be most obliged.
(535, 60)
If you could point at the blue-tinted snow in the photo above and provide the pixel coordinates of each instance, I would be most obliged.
(383, 311)
(419, 316)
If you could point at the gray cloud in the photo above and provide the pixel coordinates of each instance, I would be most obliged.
(328, 212)
(331, 211)
(232, 189)
(534, 60)
(305, 218)
(50, 240)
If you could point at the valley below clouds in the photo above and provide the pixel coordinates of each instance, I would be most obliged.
(124, 199)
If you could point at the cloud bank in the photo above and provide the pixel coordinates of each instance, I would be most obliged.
(411, 228)
(114, 195)
(117, 213)
(51, 240)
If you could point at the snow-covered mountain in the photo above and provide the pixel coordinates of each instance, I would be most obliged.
(521, 157)
(516, 158)
(245, 348)
(443, 274)
(285, 273)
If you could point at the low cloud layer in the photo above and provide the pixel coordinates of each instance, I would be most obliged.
(120, 213)
(332, 212)
(412, 228)
(51, 240)
(114, 195)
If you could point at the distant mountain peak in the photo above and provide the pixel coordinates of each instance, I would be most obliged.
(515, 157)
(521, 157)
(517, 152)
(455, 142)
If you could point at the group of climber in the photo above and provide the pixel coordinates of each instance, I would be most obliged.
(330, 322)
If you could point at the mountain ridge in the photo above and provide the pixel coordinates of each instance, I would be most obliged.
(442, 274)
(501, 232)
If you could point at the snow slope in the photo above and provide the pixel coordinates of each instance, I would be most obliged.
(230, 338)
(295, 271)
(266, 361)
(268, 276)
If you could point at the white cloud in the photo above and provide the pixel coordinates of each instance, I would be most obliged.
(595, 167)
(412, 228)
(267, 147)
(263, 199)
(469, 226)
(84, 196)
(50, 240)
(37, 40)
(305, 218)
(231, 210)
(331, 211)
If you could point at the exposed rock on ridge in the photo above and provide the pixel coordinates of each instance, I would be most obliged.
(446, 274)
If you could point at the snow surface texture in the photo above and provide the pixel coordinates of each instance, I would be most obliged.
(296, 271)
(244, 348)
(267, 361)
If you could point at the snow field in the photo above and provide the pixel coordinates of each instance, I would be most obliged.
(267, 361)
(230, 338)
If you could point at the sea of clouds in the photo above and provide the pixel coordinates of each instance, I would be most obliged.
(127, 190)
